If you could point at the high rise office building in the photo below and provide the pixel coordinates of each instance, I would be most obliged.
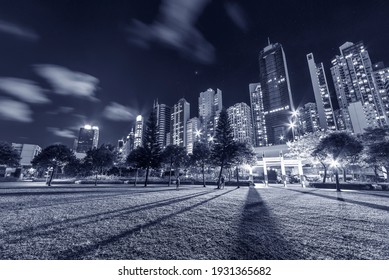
(352, 74)
(239, 116)
(277, 95)
(210, 105)
(88, 138)
(138, 135)
(193, 133)
(257, 115)
(163, 113)
(178, 121)
(322, 94)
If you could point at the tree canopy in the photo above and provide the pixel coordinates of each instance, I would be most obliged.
(339, 147)
(54, 156)
(174, 156)
(8, 155)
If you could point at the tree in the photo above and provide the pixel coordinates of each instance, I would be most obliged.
(136, 160)
(175, 156)
(338, 146)
(244, 154)
(53, 156)
(149, 155)
(304, 149)
(200, 157)
(380, 153)
(375, 154)
(8, 155)
(100, 159)
(224, 147)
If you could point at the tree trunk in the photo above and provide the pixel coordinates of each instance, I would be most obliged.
(220, 175)
(325, 173)
(96, 179)
(170, 173)
(387, 173)
(344, 175)
(147, 175)
(136, 177)
(51, 178)
(237, 176)
(337, 180)
(203, 171)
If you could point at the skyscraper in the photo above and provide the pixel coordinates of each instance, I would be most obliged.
(257, 115)
(88, 138)
(163, 122)
(193, 133)
(138, 136)
(239, 116)
(277, 95)
(381, 80)
(322, 94)
(352, 74)
(179, 118)
(308, 119)
(210, 105)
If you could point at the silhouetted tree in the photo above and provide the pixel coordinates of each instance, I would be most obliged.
(53, 156)
(136, 160)
(8, 155)
(376, 153)
(174, 156)
(149, 154)
(338, 146)
(224, 147)
(244, 154)
(200, 157)
(100, 159)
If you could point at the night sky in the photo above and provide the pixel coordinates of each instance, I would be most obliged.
(66, 63)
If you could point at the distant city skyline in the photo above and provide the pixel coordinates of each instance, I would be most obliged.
(66, 64)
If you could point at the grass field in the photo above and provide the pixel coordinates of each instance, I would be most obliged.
(158, 222)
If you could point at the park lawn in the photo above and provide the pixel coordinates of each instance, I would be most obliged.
(159, 222)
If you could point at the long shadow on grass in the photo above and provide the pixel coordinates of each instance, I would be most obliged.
(75, 200)
(98, 217)
(367, 204)
(259, 234)
(78, 251)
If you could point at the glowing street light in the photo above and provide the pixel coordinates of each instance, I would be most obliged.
(211, 139)
(292, 125)
(198, 133)
(334, 163)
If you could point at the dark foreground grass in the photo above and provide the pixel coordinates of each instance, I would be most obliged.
(158, 222)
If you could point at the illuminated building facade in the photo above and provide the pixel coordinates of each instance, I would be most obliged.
(322, 94)
(239, 116)
(257, 115)
(277, 95)
(88, 138)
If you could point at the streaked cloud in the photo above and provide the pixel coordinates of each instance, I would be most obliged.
(118, 112)
(68, 82)
(15, 111)
(237, 15)
(65, 133)
(18, 31)
(61, 110)
(25, 90)
(175, 28)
